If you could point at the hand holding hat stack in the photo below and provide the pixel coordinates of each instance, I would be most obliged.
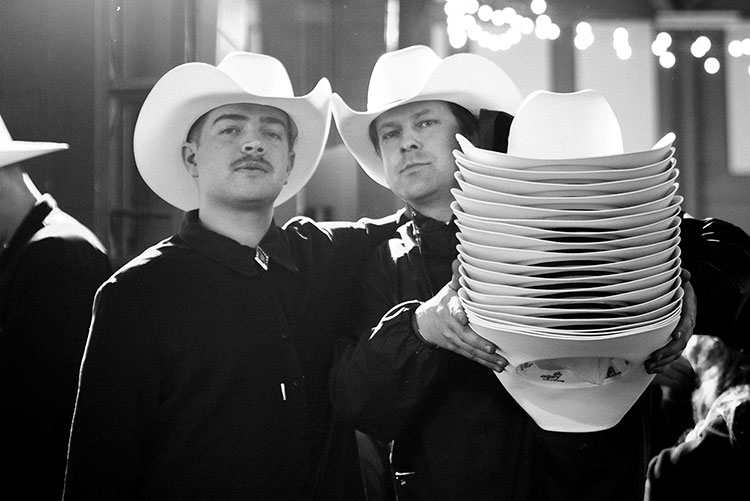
(569, 258)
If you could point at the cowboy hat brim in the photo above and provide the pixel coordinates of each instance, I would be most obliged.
(577, 407)
(18, 151)
(631, 160)
(172, 107)
(467, 80)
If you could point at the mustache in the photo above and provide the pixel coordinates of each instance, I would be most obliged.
(251, 159)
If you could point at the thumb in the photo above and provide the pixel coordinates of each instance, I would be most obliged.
(457, 311)
(454, 283)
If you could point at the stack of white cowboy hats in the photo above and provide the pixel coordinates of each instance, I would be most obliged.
(569, 258)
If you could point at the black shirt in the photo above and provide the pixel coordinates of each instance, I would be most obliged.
(205, 375)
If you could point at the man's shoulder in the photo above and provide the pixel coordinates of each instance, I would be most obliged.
(162, 257)
(371, 228)
(61, 230)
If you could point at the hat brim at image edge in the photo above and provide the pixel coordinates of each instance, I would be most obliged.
(19, 151)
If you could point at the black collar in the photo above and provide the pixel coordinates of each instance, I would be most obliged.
(247, 260)
(33, 222)
(434, 238)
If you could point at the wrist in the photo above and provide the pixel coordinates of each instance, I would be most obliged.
(418, 333)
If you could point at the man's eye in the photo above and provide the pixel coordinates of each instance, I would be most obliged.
(229, 130)
(427, 123)
(389, 134)
(272, 134)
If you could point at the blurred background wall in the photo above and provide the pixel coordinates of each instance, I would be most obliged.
(77, 71)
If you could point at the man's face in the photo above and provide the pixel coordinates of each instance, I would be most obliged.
(416, 142)
(241, 157)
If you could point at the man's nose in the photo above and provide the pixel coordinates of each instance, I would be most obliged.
(409, 142)
(253, 146)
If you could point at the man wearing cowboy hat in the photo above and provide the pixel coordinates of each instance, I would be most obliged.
(456, 432)
(205, 374)
(50, 268)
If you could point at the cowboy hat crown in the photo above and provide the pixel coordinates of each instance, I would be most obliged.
(567, 128)
(553, 126)
(190, 90)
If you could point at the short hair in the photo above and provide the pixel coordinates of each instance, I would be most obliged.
(193, 135)
(468, 124)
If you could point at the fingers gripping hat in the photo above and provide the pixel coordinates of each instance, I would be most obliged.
(418, 74)
(12, 152)
(190, 90)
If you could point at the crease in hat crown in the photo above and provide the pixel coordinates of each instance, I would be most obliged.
(188, 91)
(414, 74)
(13, 152)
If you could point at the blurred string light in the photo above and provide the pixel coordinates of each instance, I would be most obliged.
(711, 65)
(584, 36)
(496, 29)
(502, 28)
(621, 43)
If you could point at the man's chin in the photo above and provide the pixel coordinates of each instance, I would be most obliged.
(253, 198)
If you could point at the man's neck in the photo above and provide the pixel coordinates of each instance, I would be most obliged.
(18, 203)
(439, 210)
(245, 227)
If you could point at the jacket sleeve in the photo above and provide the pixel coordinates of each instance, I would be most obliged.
(384, 369)
(117, 401)
(354, 242)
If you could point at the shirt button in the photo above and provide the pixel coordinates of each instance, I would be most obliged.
(295, 383)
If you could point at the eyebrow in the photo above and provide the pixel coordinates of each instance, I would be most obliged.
(414, 116)
(244, 118)
(230, 116)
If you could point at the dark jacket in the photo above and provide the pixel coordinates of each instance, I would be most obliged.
(49, 273)
(205, 375)
(710, 466)
(457, 433)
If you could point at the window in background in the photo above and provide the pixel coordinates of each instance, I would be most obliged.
(737, 63)
(137, 42)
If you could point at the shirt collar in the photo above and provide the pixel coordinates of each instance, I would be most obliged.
(31, 223)
(434, 238)
(426, 223)
(273, 247)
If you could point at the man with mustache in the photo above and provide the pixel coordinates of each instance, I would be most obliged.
(206, 369)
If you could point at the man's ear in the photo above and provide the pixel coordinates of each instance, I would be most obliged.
(188, 158)
(290, 166)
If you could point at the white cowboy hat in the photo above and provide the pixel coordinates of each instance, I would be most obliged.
(559, 399)
(418, 74)
(566, 128)
(12, 152)
(190, 90)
